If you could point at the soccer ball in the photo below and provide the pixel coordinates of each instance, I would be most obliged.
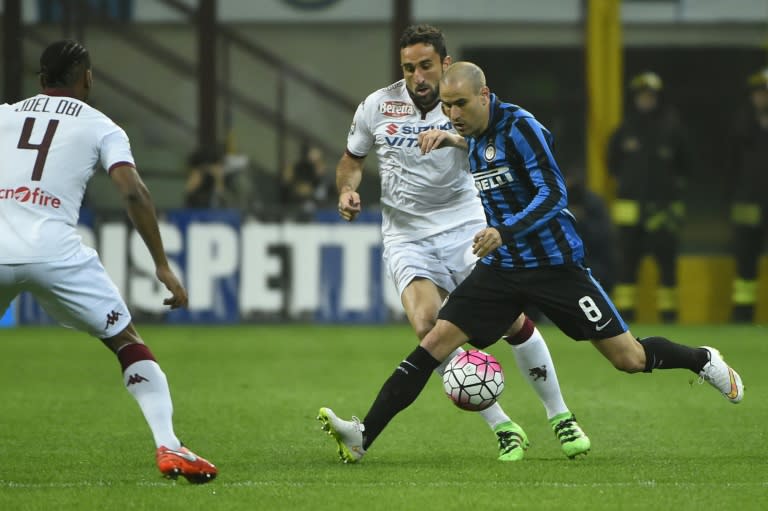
(473, 380)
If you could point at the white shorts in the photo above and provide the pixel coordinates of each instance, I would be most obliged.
(445, 258)
(76, 292)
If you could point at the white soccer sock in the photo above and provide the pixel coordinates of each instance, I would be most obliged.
(439, 370)
(535, 364)
(494, 414)
(148, 385)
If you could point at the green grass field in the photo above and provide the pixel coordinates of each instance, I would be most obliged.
(246, 398)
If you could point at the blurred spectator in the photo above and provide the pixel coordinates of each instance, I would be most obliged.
(307, 185)
(650, 158)
(205, 187)
(593, 222)
(238, 182)
(748, 167)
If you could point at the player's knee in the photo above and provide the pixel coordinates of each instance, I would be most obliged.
(520, 331)
(422, 327)
(128, 335)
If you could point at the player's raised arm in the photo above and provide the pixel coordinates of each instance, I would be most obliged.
(349, 173)
(141, 210)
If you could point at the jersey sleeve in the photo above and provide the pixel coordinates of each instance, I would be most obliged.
(532, 143)
(115, 149)
(360, 139)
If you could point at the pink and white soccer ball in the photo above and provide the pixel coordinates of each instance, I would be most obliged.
(473, 380)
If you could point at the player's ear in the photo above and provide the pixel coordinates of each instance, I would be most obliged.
(485, 94)
(42, 80)
(88, 79)
(447, 61)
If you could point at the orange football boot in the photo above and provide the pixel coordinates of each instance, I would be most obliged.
(175, 462)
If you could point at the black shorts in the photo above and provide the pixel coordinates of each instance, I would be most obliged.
(489, 300)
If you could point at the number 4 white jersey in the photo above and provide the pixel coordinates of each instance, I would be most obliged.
(421, 194)
(50, 147)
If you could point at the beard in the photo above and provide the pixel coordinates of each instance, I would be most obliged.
(425, 102)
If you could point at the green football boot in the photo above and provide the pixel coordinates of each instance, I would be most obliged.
(572, 439)
(513, 441)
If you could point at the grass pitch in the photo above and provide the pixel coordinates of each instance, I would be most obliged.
(246, 398)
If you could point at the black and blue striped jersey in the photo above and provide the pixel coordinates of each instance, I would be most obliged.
(523, 191)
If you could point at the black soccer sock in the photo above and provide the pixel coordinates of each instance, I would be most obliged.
(399, 391)
(661, 353)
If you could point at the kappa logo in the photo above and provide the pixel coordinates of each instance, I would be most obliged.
(396, 109)
(135, 378)
(538, 373)
(112, 318)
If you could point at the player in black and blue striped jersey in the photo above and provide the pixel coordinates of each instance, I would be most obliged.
(530, 255)
(523, 191)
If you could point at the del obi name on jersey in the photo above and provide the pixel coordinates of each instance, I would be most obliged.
(407, 135)
(40, 104)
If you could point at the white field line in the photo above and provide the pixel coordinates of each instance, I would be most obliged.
(357, 484)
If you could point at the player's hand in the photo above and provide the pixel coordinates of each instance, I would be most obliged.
(349, 205)
(435, 139)
(486, 241)
(179, 296)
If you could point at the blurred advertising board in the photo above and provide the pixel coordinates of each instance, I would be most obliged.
(239, 270)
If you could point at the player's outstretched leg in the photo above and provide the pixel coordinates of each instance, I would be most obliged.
(511, 438)
(146, 382)
(720, 375)
(183, 462)
(537, 368)
(706, 362)
(348, 435)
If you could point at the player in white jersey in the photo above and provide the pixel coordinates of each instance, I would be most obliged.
(431, 213)
(51, 145)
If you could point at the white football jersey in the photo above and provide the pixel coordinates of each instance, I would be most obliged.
(50, 146)
(421, 194)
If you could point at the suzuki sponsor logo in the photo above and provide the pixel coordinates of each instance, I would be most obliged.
(409, 130)
(24, 194)
(396, 109)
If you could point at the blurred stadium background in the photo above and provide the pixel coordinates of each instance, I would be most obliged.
(262, 78)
